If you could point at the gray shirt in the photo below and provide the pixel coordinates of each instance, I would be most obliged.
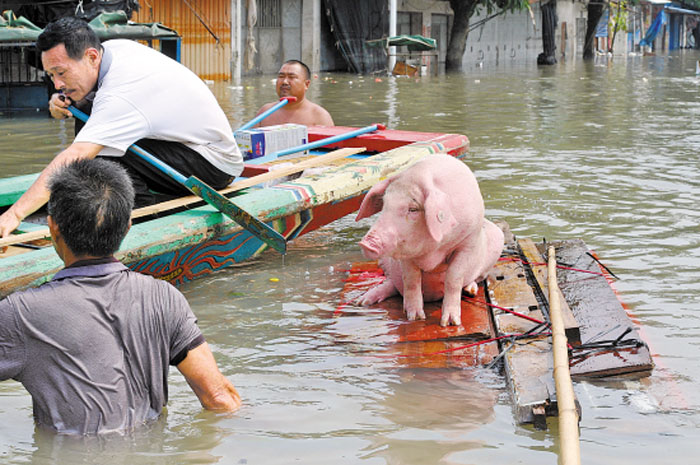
(93, 346)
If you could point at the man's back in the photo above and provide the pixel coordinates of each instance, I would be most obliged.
(144, 94)
(93, 346)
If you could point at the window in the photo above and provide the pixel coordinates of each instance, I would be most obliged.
(269, 13)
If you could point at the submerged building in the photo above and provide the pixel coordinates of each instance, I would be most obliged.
(224, 39)
(229, 39)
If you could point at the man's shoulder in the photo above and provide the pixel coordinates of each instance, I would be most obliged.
(265, 107)
(124, 44)
(152, 282)
(321, 115)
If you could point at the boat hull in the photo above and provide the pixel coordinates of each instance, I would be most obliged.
(190, 244)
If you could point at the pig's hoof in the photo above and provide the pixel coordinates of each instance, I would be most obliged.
(451, 318)
(415, 315)
(472, 289)
(367, 299)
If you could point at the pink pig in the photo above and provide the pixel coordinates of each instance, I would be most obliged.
(431, 237)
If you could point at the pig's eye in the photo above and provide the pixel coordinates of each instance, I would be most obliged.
(413, 209)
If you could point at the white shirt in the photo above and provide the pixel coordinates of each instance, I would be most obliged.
(144, 94)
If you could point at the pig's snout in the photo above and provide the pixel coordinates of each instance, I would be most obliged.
(373, 246)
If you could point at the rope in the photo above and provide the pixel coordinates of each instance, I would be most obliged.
(520, 315)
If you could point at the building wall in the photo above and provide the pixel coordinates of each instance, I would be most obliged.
(277, 35)
(429, 19)
(200, 52)
(517, 37)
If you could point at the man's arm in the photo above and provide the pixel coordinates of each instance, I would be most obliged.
(38, 194)
(214, 391)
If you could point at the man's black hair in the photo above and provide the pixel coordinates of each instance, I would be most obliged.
(303, 65)
(73, 33)
(90, 202)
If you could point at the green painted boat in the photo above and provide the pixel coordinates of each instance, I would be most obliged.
(188, 244)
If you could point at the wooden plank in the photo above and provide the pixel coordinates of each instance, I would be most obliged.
(601, 314)
(509, 288)
(255, 180)
(539, 270)
(528, 367)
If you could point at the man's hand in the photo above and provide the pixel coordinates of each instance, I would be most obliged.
(8, 223)
(214, 391)
(58, 106)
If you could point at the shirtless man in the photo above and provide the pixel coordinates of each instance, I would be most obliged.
(293, 80)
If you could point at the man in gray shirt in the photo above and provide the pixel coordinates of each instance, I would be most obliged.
(93, 345)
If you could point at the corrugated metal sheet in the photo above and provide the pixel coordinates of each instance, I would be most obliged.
(200, 23)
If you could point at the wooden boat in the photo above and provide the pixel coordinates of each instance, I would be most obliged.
(184, 245)
(505, 325)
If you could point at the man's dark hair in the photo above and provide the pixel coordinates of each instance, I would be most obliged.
(303, 65)
(90, 202)
(73, 33)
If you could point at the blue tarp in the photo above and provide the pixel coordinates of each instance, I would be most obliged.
(654, 29)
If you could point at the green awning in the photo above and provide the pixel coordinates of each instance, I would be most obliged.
(14, 29)
(115, 25)
(415, 43)
(110, 25)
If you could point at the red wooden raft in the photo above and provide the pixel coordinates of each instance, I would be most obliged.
(424, 343)
(602, 337)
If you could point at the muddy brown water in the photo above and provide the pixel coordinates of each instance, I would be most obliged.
(604, 151)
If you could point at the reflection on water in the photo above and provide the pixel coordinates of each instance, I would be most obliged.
(603, 151)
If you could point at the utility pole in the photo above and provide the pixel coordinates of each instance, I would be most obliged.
(392, 32)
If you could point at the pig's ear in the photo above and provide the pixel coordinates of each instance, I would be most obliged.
(438, 215)
(374, 200)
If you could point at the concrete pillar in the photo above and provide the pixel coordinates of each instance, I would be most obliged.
(236, 41)
(311, 34)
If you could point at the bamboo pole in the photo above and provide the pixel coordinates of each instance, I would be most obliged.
(570, 453)
(190, 199)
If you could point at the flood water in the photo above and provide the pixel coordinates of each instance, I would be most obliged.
(604, 151)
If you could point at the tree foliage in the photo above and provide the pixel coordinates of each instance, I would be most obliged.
(463, 11)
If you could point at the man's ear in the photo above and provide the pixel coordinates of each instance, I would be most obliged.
(53, 228)
(93, 55)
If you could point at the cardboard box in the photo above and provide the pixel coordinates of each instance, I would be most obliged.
(258, 142)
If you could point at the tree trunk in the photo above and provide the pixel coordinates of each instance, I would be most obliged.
(549, 29)
(463, 11)
(595, 12)
(616, 26)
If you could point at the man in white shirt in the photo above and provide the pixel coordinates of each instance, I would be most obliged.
(140, 96)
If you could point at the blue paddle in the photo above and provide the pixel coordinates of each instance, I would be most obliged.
(283, 101)
(211, 196)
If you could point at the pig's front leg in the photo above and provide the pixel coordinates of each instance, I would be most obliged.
(454, 283)
(412, 291)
